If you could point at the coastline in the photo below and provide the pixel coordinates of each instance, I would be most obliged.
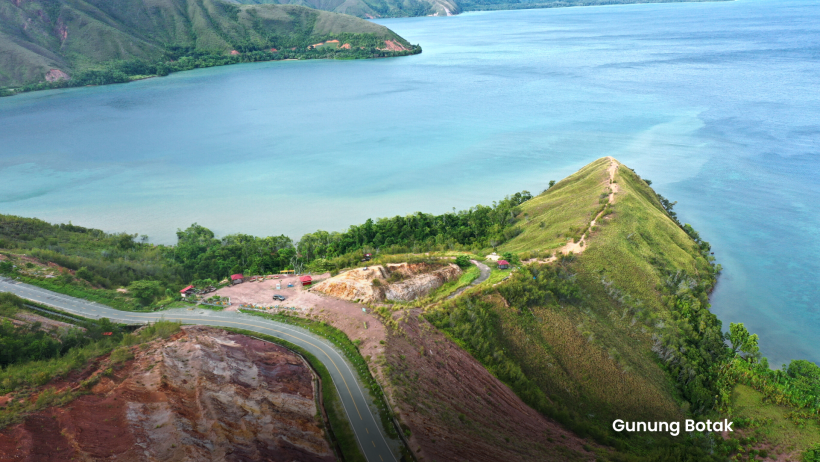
(110, 77)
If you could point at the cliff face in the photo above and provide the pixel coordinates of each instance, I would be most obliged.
(203, 395)
(422, 284)
(418, 280)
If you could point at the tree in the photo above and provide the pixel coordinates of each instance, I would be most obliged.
(145, 291)
(803, 368)
(84, 273)
(510, 257)
(742, 342)
(552, 183)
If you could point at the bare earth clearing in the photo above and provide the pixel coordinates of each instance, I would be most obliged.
(344, 315)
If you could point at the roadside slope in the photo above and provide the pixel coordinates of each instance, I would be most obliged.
(202, 395)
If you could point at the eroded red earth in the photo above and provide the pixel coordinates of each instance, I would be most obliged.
(203, 395)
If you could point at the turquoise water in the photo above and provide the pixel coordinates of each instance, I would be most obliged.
(717, 103)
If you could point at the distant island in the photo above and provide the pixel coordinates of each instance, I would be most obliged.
(47, 44)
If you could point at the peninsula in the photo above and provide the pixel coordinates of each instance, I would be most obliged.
(518, 331)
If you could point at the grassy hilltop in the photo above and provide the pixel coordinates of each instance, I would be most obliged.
(604, 315)
(105, 41)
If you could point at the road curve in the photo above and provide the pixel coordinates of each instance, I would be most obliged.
(362, 419)
(483, 275)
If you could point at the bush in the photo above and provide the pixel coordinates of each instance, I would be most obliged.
(121, 354)
(812, 454)
(376, 283)
(145, 291)
(463, 261)
(84, 273)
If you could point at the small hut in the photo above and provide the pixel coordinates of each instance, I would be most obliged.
(503, 264)
(237, 279)
(187, 291)
(306, 280)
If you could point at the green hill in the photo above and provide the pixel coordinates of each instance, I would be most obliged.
(103, 41)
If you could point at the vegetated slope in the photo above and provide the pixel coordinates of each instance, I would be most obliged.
(575, 337)
(452, 408)
(203, 394)
(50, 39)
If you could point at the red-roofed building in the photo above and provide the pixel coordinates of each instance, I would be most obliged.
(237, 279)
(306, 280)
(187, 291)
(503, 264)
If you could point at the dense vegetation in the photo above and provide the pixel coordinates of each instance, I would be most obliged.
(479, 227)
(29, 342)
(103, 262)
(126, 71)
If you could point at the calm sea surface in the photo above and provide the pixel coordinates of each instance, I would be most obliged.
(717, 103)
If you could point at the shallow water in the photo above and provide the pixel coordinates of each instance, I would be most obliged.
(717, 103)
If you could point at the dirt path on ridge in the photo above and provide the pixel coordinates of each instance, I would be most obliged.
(581, 245)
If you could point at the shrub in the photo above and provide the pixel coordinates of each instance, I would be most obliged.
(463, 261)
(84, 273)
(121, 354)
(812, 454)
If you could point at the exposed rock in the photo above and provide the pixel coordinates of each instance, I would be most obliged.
(205, 395)
(55, 74)
(392, 45)
(422, 284)
(418, 280)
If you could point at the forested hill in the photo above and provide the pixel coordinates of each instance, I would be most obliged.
(106, 41)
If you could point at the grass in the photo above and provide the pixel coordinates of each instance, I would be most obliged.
(341, 430)
(766, 426)
(442, 292)
(565, 209)
(107, 297)
(467, 277)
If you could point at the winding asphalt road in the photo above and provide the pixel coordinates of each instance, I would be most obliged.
(365, 424)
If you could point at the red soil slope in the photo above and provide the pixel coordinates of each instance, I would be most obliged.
(203, 395)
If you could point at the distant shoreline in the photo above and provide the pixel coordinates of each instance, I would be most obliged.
(109, 77)
(468, 7)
